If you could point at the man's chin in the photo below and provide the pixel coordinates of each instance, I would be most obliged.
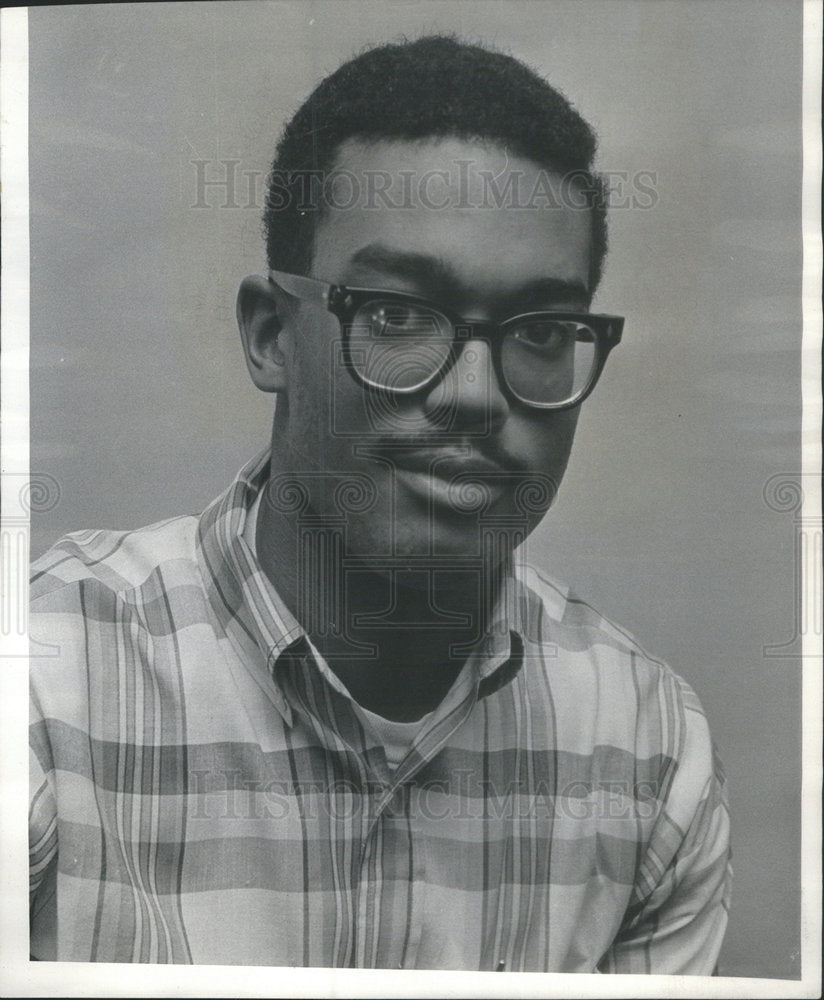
(461, 538)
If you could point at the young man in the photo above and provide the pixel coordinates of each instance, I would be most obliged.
(335, 720)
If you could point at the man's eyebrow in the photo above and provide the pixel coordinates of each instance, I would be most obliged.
(437, 277)
(550, 290)
(431, 272)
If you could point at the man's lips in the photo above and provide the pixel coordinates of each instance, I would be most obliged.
(448, 458)
(452, 478)
(447, 464)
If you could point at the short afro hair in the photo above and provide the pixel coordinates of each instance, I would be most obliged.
(437, 86)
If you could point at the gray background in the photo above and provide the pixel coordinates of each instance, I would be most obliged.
(141, 407)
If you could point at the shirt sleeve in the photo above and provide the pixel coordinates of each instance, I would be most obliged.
(676, 921)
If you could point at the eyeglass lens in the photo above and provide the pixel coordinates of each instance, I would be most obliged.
(401, 346)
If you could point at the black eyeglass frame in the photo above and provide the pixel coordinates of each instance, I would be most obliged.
(344, 302)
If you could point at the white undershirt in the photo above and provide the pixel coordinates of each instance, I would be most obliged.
(396, 737)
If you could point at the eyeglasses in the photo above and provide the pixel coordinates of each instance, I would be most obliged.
(402, 344)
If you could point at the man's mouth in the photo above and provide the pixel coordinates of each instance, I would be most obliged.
(463, 481)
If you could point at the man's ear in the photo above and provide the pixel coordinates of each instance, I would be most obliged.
(260, 312)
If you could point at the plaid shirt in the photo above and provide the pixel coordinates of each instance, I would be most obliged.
(204, 790)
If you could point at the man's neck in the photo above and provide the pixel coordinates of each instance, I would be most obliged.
(396, 639)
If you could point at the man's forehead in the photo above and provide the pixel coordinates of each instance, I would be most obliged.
(450, 152)
(442, 173)
(488, 215)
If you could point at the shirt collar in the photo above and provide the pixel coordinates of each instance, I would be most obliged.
(251, 611)
(246, 604)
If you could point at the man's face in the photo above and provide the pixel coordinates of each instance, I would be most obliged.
(446, 460)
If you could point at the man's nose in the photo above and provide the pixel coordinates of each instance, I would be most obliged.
(469, 395)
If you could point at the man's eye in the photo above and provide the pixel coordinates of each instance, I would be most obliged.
(402, 319)
(545, 335)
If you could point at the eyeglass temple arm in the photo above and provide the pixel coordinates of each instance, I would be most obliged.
(307, 289)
